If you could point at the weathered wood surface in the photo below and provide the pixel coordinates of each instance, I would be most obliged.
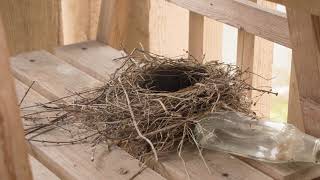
(205, 38)
(40, 172)
(255, 54)
(305, 38)
(311, 6)
(266, 23)
(79, 20)
(287, 171)
(221, 165)
(92, 57)
(14, 163)
(124, 23)
(56, 78)
(196, 32)
(31, 25)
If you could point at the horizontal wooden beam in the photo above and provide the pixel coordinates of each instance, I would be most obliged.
(312, 6)
(242, 14)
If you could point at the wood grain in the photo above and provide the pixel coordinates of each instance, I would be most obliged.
(80, 20)
(40, 172)
(168, 28)
(196, 32)
(294, 107)
(54, 78)
(266, 23)
(311, 6)
(124, 24)
(31, 25)
(287, 171)
(93, 58)
(222, 166)
(213, 34)
(304, 33)
(14, 162)
(169, 34)
(52, 75)
(256, 55)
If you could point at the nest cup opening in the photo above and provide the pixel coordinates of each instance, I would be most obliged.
(171, 78)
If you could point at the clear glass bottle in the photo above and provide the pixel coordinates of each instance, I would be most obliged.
(268, 141)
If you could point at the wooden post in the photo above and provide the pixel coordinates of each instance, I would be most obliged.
(79, 20)
(213, 34)
(256, 55)
(196, 31)
(169, 32)
(305, 39)
(31, 24)
(124, 23)
(14, 162)
(294, 107)
(205, 38)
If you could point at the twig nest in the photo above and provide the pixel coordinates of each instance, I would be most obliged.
(165, 98)
(151, 104)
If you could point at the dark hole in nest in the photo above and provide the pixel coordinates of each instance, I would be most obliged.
(172, 78)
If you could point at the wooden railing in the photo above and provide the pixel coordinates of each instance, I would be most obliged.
(249, 17)
(252, 20)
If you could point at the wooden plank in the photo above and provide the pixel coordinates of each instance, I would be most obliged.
(124, 23)
(168, 28)
(53, 76)
(31, 25)
(304, 30)
(54, 81)
(14, 162)
(174, 166)
(92, 57)
(256, 55)
(294, 107)
(312, 6)
(287, 171)
(196, 31)
(213, 34)
(245, 53)
(221, 165)
(80, 20)
(40, 172)
(266, 23)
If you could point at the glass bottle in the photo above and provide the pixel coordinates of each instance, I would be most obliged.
(275, 142)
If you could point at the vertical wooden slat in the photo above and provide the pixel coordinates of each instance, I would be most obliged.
(14, 162)
(196, 31)
(168, 28)
(31, 24)
(255, 55)
(294, 108)
(124, 22)
(305, 38)
(245, 53)
(213, 33)
(80, 20)
(169, 34)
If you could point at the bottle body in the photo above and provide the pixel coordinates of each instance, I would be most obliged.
(262, 140)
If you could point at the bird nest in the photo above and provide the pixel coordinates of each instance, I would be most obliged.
(152, 103)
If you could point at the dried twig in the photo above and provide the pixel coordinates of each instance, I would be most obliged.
(136, 124)
(26, 93)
